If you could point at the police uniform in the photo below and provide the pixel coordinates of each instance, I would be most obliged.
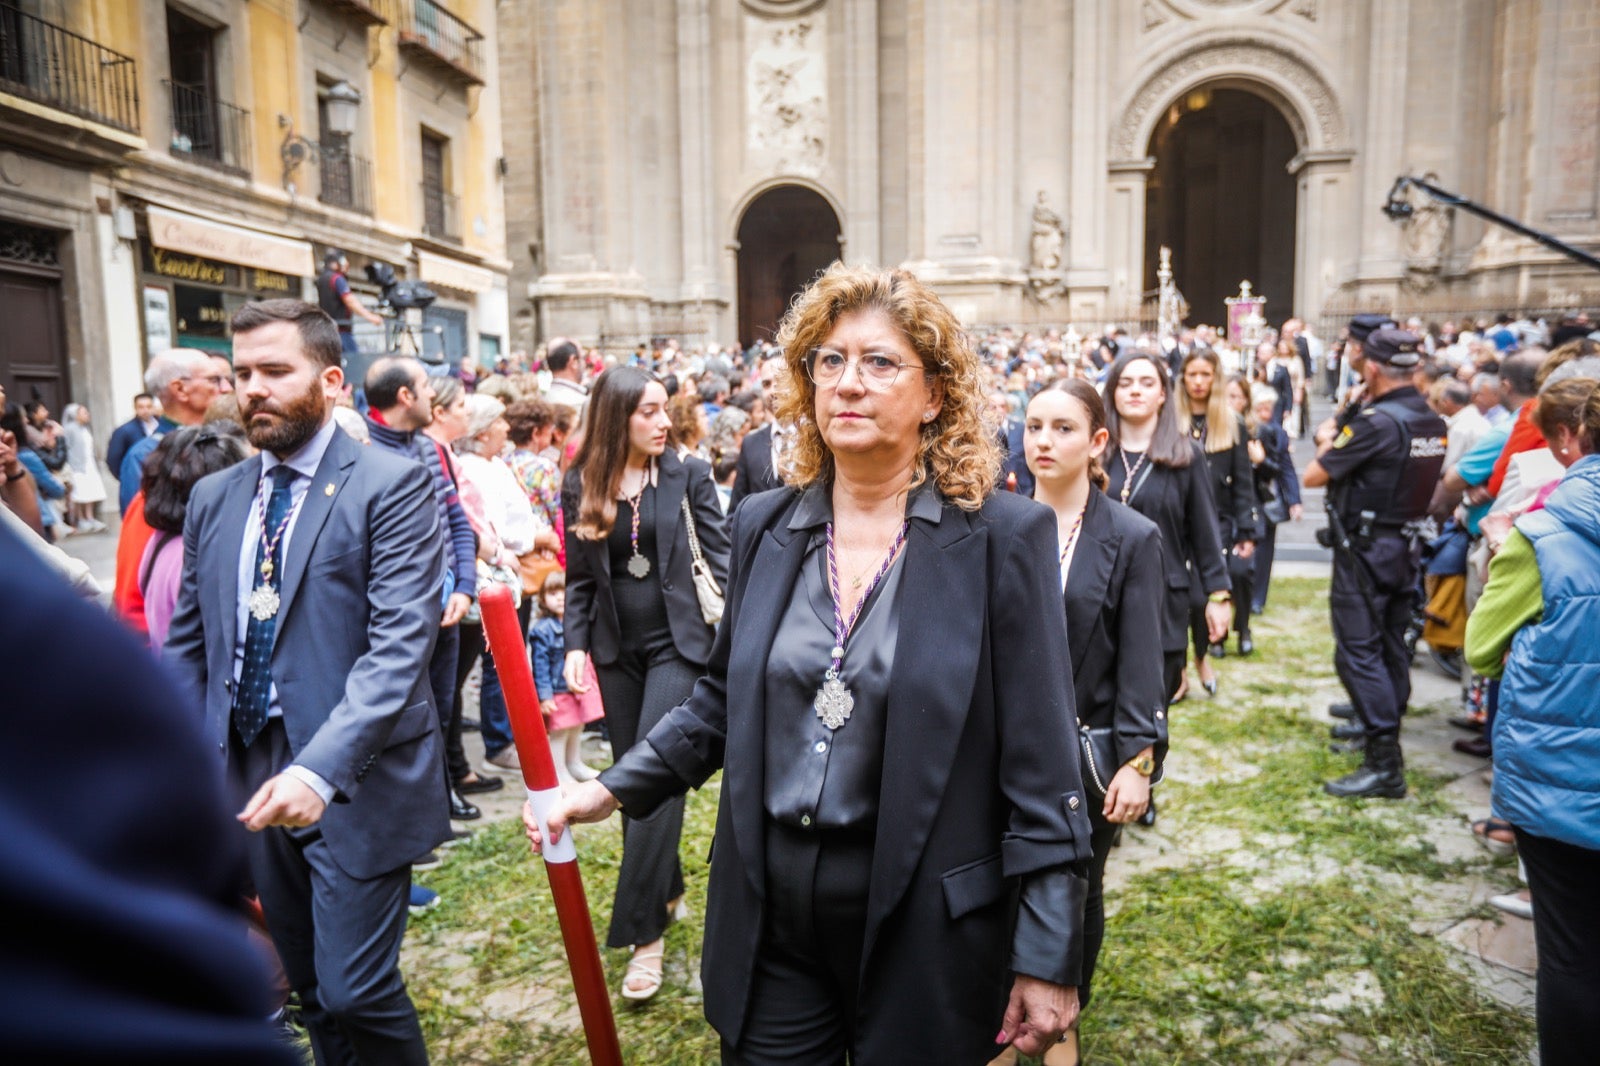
(1382, 468)
(332, 288)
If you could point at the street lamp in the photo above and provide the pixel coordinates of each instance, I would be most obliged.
(341, 101)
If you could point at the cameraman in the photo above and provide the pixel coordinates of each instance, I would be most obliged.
(335, 298)
(1380, 469)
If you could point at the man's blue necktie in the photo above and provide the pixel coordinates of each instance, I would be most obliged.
(254, 693)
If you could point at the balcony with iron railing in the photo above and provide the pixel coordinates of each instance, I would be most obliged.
(346, 178)
(441, 213)
(430, 34)
(208, 131)
(51, 65)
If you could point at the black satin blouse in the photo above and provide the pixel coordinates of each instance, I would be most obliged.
(816, 777)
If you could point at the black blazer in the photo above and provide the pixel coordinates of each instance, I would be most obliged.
(1178, 500)
(980, 784)
(1114, 600)
(591, 618)
(1233, 487)
(1275, 475)
(753, 472)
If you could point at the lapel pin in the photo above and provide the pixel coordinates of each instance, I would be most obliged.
(327, 490)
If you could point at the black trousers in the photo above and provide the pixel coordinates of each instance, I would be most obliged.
(804, 986)
(1102, 833)
(1266, 551)
(1372, 662)
(1566, 931)
(638, 689)
(471, 647)
(338, 936)
(442, 679)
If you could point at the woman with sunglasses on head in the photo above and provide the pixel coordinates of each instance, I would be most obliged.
(902, 839)
(1222, 435)
(1155, 468)
(1112, 587)
(632, 607)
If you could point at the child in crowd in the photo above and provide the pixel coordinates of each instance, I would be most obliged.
(566, 713)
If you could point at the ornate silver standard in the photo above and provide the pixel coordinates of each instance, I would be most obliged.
(834, 701)
(264, 600)
(638, 565)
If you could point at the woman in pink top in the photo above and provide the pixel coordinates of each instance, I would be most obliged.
(183, 457)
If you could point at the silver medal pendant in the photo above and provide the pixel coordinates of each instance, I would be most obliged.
(263, 602)
(834, 702)
(639, 566)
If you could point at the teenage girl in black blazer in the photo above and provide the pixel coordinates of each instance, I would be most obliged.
(1113, 591)
(1153, 467)
(1223, 436)
(631, 605)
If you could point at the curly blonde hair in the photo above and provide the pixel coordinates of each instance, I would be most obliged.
(958, 449)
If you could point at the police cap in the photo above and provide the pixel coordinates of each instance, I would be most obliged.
(1393, 347)
(1361, 326)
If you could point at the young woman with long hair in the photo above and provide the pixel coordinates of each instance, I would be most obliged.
(631, 606)
(1154, 467)
(1113, 592)
(1222, 435)
(1276, 481)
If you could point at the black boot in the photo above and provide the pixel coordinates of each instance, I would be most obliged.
(461, 810)
(1381, 774)
(1348, 730)
(1342, 710)
(1246, 645)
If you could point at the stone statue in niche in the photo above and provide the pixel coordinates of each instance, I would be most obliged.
(1048, 236)
(1426, 236)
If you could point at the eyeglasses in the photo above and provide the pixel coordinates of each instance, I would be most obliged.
(826, 369)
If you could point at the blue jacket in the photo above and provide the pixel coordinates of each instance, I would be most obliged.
(461, 549)
(549, 656)
(1547, 733)
(45, 484)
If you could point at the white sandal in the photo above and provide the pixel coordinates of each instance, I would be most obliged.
(637, 969)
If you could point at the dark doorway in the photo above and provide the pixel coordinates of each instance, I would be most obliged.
(787, 237)
(33, 348)
(1222, 198)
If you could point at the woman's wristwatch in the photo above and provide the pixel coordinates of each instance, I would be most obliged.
(1143, 765)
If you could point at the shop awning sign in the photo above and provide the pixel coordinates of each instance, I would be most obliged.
(232, 244)
(453, 273)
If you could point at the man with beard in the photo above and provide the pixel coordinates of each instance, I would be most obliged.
(310, 604)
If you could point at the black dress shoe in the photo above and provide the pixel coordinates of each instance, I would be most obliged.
(484, 783)
(1246, 645)
(1477, 747)
(461, 810)
(1348, 731)
(1209, 686)
(1217, 651)
(1342, 710)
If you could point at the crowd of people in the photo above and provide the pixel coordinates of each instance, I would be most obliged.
(781, 530)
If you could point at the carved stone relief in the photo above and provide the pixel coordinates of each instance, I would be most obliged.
(786, 86)
(1426, 236)
(1229, 57)
(1046, 244)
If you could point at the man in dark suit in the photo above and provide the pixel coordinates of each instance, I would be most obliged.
(310, 605)
(141, 425)
(757, 469)
(124, 936)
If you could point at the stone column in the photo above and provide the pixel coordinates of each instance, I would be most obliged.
(1088, 280)
(1326, 199)
(861, 236)
(1389, 58)
(700, 225)
(1123, 222)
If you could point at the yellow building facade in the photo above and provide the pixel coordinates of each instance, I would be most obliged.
(164, 161)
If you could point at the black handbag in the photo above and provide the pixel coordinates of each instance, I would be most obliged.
(1099, 750)
(1275, 510)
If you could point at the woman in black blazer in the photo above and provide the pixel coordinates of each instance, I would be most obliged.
(631, 605)
(1153, 467)
(899, 874)
(1112, 588)
(1275, 479)
(1222, 434)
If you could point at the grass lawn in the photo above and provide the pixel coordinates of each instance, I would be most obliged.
(1261, 921)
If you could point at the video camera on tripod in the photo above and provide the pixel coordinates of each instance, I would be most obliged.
(398, 300)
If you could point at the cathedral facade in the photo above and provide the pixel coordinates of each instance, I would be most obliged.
(682, 167)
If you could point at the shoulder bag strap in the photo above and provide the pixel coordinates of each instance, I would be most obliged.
(161, 542)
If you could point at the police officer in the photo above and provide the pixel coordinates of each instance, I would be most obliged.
(335, 298)
(1380, 469)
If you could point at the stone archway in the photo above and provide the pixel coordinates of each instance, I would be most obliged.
(1221, 197)
(787, 235)
(1282, 76)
